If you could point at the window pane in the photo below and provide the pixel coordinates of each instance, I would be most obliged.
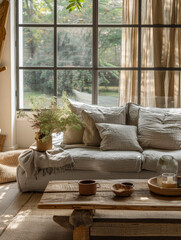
(109, 47)
(161, 88)
(108, 88)
(118, 47)
(161, 47)
(36, 46)
(75, 17)
(75, 47)
(76, 83)
(163, 12)
(118, 12)
(34, 83)
(36, 11)
(128, 87)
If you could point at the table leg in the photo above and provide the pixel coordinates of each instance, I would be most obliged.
(81, 233)
(81, 220)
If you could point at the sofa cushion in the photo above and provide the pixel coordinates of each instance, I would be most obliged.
(151, 157)
(116, 115)
(72, 135)
(159, 130)
(77, 107)
(93, 159)
(133, 112)
(118, 137)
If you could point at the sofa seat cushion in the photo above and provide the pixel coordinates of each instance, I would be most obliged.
(93, 159)
(151, 157)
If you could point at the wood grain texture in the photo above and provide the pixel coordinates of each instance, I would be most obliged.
(141, 199)
(72, 186)
(81, 218)
(11, 201)
(81, 233)
(153, 186)
(2, 140)
(135, 228)
(4, 10)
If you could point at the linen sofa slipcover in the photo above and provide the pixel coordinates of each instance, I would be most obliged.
(92, 163)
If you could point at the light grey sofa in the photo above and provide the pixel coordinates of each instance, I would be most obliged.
(92, 163)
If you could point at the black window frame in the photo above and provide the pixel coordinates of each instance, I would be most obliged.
(95, 68)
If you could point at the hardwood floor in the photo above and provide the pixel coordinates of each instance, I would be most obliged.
(11, 201)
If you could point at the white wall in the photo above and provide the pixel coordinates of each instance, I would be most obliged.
(18, 132)
(25, 134)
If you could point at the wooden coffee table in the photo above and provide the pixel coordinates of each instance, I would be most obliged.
(85, 222)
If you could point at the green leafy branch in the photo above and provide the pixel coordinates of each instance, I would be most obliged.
(75, 4)
(47, 117)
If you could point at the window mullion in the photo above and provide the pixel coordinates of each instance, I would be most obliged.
(55, 49)
(95, 53)
(139, 52)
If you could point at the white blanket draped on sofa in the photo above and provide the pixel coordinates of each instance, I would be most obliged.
(52, 160)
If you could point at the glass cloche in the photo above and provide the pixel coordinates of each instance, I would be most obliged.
(166, 164)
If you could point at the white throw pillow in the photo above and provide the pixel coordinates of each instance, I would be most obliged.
(116, 115)
(118, 137)
(159, 130)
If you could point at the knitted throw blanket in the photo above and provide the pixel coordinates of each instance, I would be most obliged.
(33, 161)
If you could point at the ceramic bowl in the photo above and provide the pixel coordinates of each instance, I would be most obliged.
(122, 190)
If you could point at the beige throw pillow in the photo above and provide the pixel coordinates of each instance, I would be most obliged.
(159, 130)
(116, 115)
(72, 135)
(118, 137)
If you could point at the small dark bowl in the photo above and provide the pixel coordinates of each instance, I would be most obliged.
(128, 184)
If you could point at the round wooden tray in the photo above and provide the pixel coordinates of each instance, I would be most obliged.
(153, 186)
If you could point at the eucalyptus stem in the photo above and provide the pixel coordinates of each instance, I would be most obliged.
(75, 4)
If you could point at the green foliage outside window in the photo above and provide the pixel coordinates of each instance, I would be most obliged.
(74, 47)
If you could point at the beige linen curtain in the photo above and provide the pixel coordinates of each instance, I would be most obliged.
(129, 53)
(161, 47)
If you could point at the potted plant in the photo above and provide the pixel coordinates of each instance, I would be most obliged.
(46, 117)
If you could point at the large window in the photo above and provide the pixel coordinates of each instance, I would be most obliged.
(112, 52)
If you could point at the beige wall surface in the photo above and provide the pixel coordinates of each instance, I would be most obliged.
(18, 132)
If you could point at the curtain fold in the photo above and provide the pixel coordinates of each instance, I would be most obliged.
(129, 53)
(161, 47)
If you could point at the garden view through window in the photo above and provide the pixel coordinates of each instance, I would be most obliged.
(109, 53)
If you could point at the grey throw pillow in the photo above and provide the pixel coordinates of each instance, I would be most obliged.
(72, 136)
(118, 137)
(133, 112)
(116, 115)
(159, 130)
